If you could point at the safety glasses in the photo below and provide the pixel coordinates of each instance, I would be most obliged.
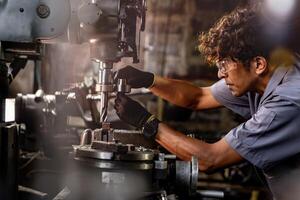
(226, 65)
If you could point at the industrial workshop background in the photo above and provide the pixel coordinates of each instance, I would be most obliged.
(66, 143)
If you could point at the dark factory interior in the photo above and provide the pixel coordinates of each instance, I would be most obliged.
(149, 100)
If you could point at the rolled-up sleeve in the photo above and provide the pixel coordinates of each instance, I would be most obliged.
(271, 135)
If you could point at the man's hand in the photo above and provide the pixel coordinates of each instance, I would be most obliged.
(135, 78)
(131, 111)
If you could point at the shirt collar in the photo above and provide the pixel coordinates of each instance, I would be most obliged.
(275, 80)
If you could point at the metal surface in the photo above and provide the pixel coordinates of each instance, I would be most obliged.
(86, 137)
(89, 13)
(98, 17)
(194, 174)
(103, 106)
(161, 163)
(122, 86)
(105, 74)
(187, 176)
(87, 151)
(25, 21)
(137, 156)
(112, 147)
(183, 176)
(104, 86)
(122, 131)
(116, 165)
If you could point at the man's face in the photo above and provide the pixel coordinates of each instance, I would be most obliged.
(238, 78)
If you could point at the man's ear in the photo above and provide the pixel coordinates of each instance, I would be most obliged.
(260, 65)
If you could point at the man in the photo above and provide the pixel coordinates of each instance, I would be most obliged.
(252, 85)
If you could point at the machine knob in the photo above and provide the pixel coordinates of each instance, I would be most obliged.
(43, 11)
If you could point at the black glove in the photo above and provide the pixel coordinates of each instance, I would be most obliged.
(133, 113)
(135, 78)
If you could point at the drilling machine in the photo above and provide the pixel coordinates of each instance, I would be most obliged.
(111, 27)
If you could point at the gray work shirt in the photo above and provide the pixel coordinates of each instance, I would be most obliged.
(270, 138)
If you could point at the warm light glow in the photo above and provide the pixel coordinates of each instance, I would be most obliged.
(81, 25)
(93, 41)
(280, 8)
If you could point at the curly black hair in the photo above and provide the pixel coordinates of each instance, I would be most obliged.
(237, 35)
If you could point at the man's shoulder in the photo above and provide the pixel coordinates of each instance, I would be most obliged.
(289, 89)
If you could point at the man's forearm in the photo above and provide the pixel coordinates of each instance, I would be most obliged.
(210, 156)
(183, 93)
